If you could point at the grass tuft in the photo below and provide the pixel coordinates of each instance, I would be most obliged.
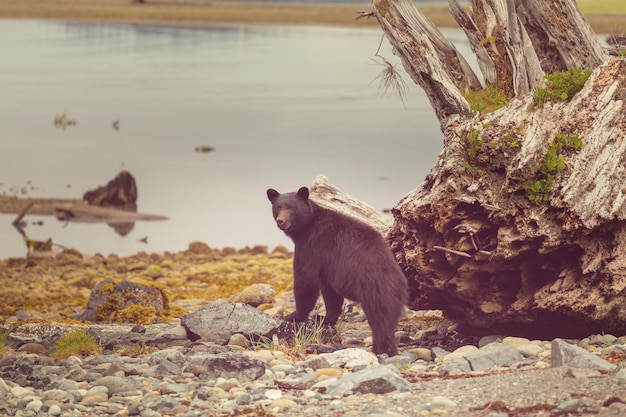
(76, 343)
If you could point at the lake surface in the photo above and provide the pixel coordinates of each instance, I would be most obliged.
(280, 105)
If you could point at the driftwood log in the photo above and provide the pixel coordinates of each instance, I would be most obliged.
(473, 238)
(114, 203)
(328, 195)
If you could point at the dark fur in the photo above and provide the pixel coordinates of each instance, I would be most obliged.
(341, 258)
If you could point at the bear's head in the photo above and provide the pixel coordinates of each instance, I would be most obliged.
(292, 211)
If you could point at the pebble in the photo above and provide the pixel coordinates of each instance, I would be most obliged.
(204, 379)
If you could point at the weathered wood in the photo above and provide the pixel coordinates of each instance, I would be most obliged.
(516, 43)
(504, 50)
(428, 57)
(93, 214)
(330, 196)
(470, 238)
(37, 206)
(71, 210)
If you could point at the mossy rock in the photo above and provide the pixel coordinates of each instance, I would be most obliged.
(126, 302)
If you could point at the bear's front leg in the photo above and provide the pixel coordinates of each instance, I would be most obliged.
(334, 305)
(306, 294)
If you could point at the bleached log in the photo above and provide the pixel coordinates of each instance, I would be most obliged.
(328, 195)
(469, 238)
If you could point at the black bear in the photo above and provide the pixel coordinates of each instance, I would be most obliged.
(341, 258)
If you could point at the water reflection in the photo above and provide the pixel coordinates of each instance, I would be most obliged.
(279, 105)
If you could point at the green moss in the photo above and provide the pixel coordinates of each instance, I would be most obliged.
(3, 341)
(487, 40)
(136, 313)
(156, 268)
(108, 288)
(487, 100)
(107, 309)
(561, 86)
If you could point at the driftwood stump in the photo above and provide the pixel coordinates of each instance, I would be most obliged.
(520, 225)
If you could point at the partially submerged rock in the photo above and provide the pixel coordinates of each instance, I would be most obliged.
(120, 192)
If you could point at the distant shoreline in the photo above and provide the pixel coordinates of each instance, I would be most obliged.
(208, 13)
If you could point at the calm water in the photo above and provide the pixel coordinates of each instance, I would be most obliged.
(280, 105)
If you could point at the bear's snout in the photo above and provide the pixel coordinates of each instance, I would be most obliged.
(282, 224)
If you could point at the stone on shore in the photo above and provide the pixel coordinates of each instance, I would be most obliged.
(374, 380)
(564, 353)
(217, 321)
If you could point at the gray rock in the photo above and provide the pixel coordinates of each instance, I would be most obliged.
(256, 294)
(564, 353)
(55, 395)
(441, 401)
(439, 353)
(171, 355)
(573, 404)
(112, 383)
(456, 366)
(5, 390)
(163, 403)
(399, 361)
(492, 355)
(349, 358)
(226, 366)
(54, 410)
(621, 375)
(487, 357)
(176, 389)
(167, 368)
(243, 399)
(218, 321)
(77, 374)
(34, 405)
(529, 350)
(376, 380)
(314, 363)
(485, 340)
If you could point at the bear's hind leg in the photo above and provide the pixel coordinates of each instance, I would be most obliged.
(383, 323)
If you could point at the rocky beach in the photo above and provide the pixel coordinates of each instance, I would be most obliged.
(161, 367)
(199, 332)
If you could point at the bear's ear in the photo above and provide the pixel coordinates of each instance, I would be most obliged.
(272, 194)
(303, 193)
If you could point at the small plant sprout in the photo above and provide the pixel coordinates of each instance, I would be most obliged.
(561, 86)
(539, 189)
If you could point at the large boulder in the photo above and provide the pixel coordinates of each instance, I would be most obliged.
(125, 301)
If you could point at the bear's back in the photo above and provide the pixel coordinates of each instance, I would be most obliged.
(331, 229)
